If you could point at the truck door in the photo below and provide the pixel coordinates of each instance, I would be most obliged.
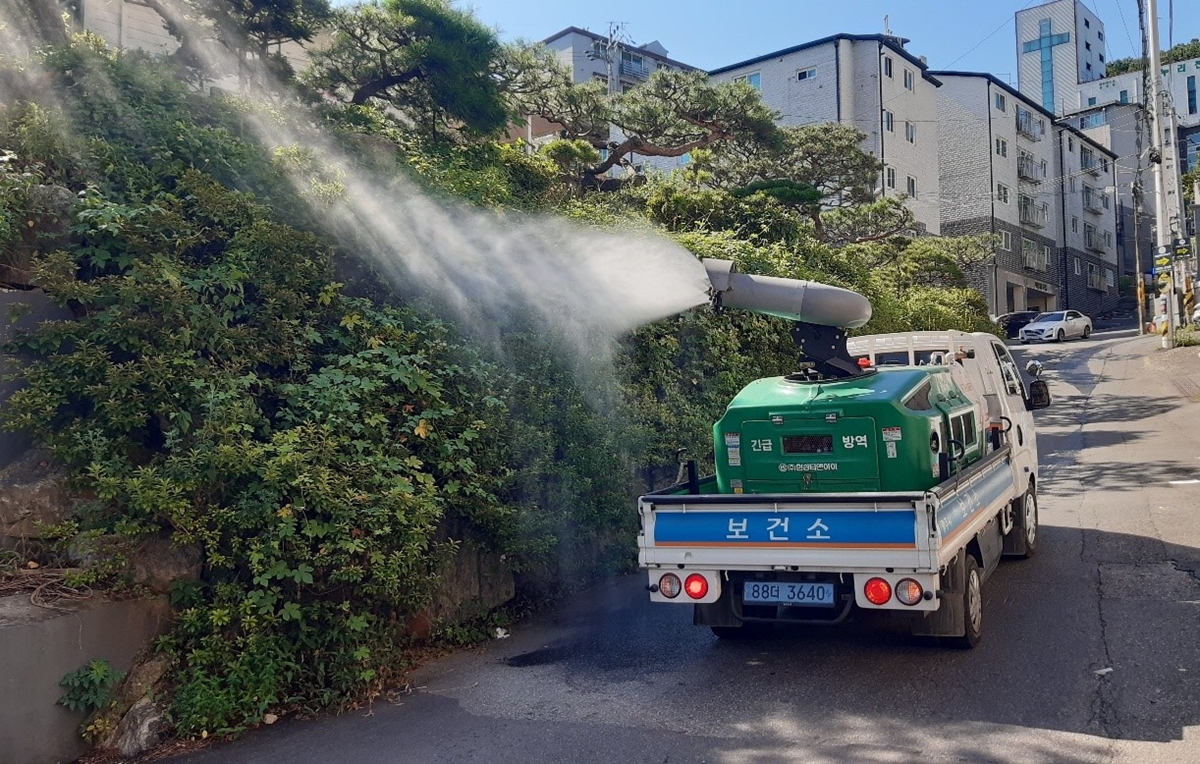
(1012, 399)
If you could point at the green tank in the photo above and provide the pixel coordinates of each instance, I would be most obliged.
(883, 431)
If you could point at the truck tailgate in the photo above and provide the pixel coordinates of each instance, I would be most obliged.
(815, 532)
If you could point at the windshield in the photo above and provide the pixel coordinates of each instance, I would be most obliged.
(1059, 316)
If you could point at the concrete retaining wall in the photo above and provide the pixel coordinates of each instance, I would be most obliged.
(38, 646)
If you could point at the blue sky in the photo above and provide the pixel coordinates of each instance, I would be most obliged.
(975, 35)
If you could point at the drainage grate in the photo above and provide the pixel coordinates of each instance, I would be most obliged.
(1188, 388)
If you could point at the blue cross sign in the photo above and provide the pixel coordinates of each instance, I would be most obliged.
(1046, 43)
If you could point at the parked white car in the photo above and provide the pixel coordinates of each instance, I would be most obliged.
(1058, 326)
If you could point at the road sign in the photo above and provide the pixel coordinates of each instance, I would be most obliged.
(1162, 262)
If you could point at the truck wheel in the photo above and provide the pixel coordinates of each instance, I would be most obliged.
(972, 595)
(1027, 521)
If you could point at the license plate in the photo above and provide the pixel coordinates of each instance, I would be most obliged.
(787, 593)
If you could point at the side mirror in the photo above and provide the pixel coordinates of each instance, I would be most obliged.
(1034, 369)
(1039, 395)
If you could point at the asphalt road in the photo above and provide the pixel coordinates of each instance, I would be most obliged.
(1090, 649)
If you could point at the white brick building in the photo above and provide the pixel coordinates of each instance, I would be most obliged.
(1059, 45)
(872, 83)
(1007, 169)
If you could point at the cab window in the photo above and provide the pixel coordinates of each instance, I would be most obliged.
(1008, 370)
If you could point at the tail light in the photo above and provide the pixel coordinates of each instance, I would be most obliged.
(696, 586)
(669, 586)
(877, 591)
(908, 591)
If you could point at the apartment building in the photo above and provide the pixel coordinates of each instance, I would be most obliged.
(1089, 214)
(872, 83)
(1009, 170)
(590, 56)
(1060, 44)
(1119, 127)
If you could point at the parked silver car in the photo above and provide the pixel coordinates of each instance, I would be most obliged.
(1058, 325)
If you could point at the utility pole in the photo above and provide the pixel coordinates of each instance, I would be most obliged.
(1157, 123)
(1137, 254)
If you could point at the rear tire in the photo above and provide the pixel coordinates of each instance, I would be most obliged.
(1087, 332)
(972, 595)
(1060, 336)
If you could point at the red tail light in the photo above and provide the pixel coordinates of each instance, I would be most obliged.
(696, 586)
(877, 591)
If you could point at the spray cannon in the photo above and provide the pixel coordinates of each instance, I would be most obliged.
(822, 314)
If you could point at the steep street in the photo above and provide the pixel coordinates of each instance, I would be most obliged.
(1091, 650)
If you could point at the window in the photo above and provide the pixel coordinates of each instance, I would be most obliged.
(1102, 58)
(1006, 241)
(1091, 120)
(1087, 23)
(1001, 147)
(807, 74)
(889, 121)
(1072, 184)
(1092, 100)
(1124, 96)
(1075, 229)
(1070, 144)
(1108, 239)
(910, 82)
(1087, 46)
(1029, 257)
(1078, 272)
(1093, 276)
(910, 132)
(1001, 102)
(891, 177)
(912, 187)
(1191, 91)
(632, 63)
(1045, 257)
(887, 66)
(1002, 193)
(1108, 278)
(1101, 36)
(1089, 68)
(754, 80)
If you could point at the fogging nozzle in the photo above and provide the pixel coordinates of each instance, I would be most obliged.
(807, 301)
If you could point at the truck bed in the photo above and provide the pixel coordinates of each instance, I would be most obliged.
(846, 532)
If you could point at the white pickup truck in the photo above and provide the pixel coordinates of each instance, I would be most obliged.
(896, 489)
